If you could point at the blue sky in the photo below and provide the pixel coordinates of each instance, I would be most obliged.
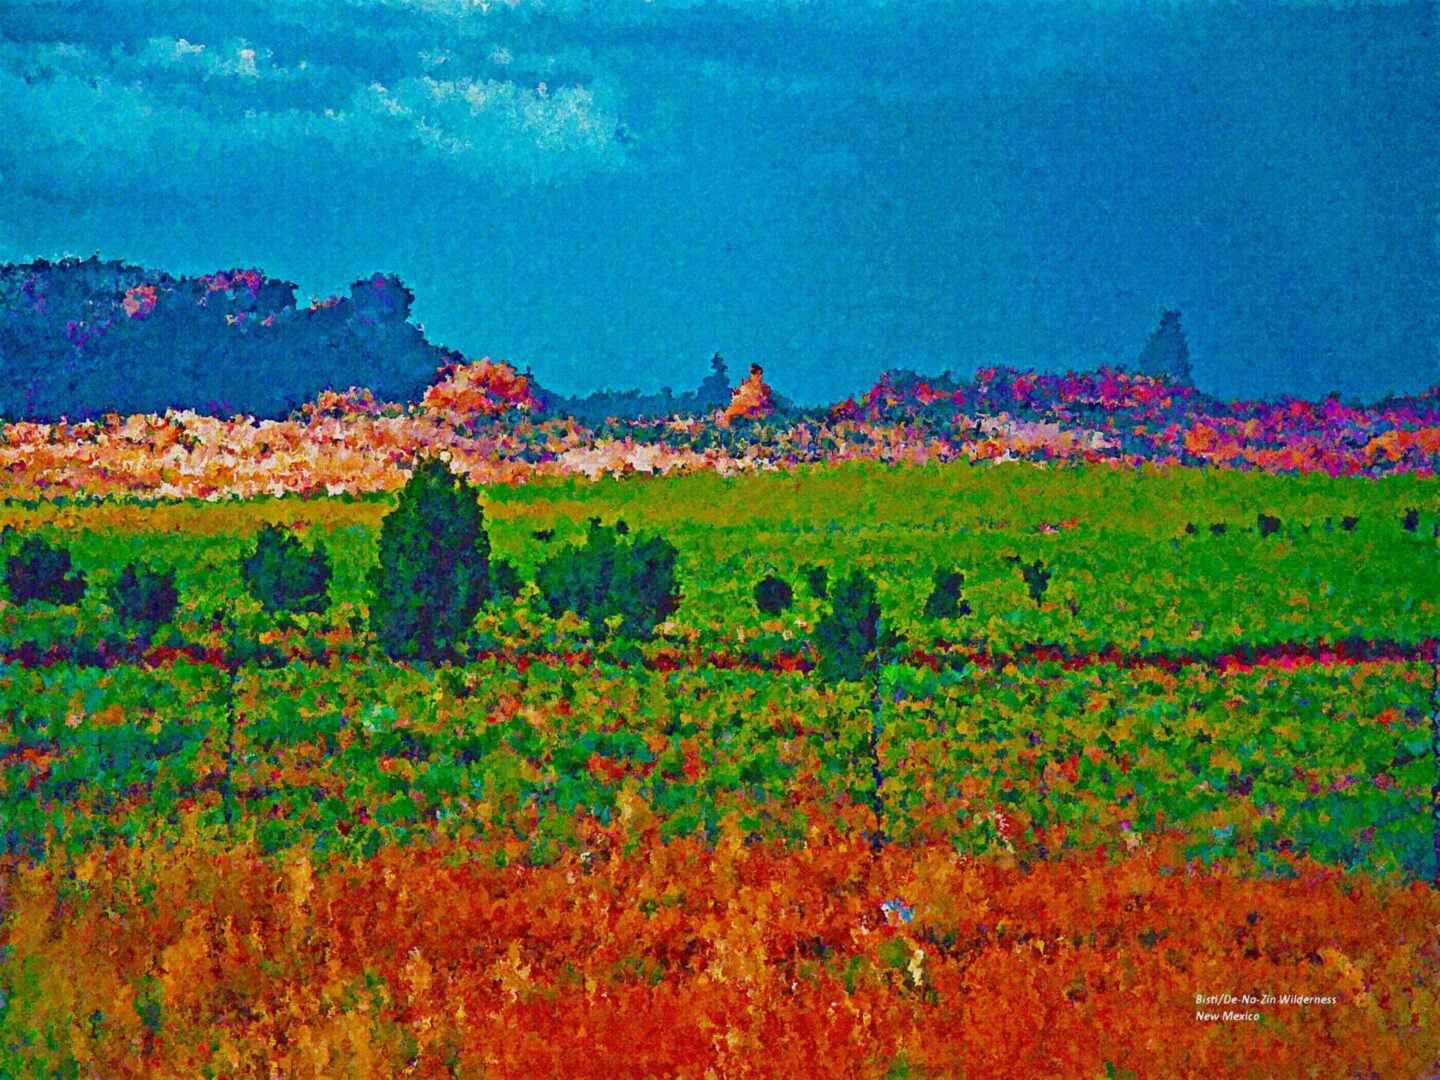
(611, 191)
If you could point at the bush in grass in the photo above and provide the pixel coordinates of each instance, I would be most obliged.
(606, 577)
(772, 595)
(144, 599)
(817, 580)
(1037, 580)
(285, 576)
(945, 601)
(849, 634)
(42, 571)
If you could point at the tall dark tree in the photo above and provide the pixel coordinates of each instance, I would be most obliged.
(1037, 580)
(434, 571)
(505, 583)
(1166, 352)
(851, 641)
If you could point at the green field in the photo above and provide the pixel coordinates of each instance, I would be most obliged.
(1192, 759)
(1144, 725)
(1139, 580)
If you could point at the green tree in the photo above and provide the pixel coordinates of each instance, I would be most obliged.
(144, 599)
(434, 570)
(852, 642)
(605, 578)
(287, 579)
(43, 571)
(772, 595)
(284, 576)
(848, 635)
(945, 601)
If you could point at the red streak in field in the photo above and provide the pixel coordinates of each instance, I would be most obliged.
(1280, 656)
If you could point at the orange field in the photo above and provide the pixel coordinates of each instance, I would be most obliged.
(641, 958)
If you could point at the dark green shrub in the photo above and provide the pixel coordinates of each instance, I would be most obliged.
(284, 576)
(42, 571)
(817, 580)
(1411, 521)
(1037, 580)
(772, 595)
(1268, 524)
(144, 600)
(849, 634)
(434, 571)
(945, 601)
(605, 577)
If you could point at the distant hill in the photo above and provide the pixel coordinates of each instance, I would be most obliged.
(81, 338)
(711, 395)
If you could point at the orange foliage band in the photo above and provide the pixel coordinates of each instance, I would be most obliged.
(687, 960)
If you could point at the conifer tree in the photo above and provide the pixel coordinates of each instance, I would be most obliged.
(434, 571)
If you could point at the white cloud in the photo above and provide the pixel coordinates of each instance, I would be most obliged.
(235, 59)
(493, 123)
(141, 117)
